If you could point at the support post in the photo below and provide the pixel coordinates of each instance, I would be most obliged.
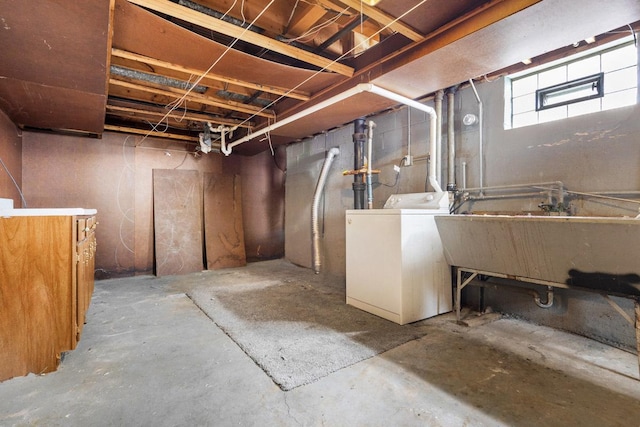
(460, 285)
(637, 305)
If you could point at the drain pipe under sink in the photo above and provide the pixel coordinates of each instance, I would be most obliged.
(315, 227)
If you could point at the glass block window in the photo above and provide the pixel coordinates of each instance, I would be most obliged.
(602, 79)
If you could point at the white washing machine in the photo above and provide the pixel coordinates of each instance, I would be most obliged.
(395, 263)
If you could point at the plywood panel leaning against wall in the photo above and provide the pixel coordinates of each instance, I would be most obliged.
(177, 220)
(40, 313)
(223, 229)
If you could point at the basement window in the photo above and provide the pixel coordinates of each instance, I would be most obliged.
(601, 79)
(582, 89)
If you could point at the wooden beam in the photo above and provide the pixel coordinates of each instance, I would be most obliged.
(384, 19)
(303, 96)
(305, 18)
(128, 111)
(195, 97)
(217, 25)
(151, 133)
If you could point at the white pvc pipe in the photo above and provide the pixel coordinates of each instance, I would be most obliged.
(438, 158)
(480, 136)
(451, 140)
(369, 161)
(432, 125)
(362, 87)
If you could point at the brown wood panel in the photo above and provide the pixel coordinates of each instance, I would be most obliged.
(49, 107)
(177, 219)
(69, 171)
(139, 31)
(37, 293)
(54, 67)
(56, 43)
(223, 225)
(11, 149)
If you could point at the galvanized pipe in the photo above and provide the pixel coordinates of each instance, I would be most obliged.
(549, 302)
(451, 140)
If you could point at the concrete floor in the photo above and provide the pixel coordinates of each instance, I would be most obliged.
(149, 356)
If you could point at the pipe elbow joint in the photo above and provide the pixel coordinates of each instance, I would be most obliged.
(548, 303)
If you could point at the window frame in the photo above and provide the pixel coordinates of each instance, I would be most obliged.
(596, 81)
(523, 116)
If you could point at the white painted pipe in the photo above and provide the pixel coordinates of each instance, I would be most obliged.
(369, 161)
(451, 140)
(480, 136)
(432, 125)
(362, 87)
(464, 175)
(437, 162)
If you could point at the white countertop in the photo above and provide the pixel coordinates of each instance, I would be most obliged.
(5, 213)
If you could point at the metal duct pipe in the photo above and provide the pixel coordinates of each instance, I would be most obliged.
(362, 87)
(359, 138)
(369, 161)
(437, 162)
(451, 139)
(480, 136)
(315, 228)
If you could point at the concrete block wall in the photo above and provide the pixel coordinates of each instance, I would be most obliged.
(595, 152)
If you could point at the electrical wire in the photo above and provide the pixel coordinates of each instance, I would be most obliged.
(353, 49)
(202, 76)
(397, 176)
(24, 202)
(230, 46)
(313, 31)
(293, 10)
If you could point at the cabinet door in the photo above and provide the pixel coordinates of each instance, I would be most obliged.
(37, 304)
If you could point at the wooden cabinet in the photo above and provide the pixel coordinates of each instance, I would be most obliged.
(46, 282)
(85, 267)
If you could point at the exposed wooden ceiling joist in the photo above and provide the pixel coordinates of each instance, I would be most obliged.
(304, 18)
(195, 97)
(205, 21)
(139, 112)
(384, 19)
(156, 134)
(152, 63)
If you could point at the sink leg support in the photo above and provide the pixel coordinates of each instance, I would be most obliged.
(461, 284)
(637, 304)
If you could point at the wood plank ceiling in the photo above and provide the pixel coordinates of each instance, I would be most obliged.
(178, 65)
(169, 67)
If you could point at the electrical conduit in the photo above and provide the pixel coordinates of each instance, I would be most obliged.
(315, 227)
